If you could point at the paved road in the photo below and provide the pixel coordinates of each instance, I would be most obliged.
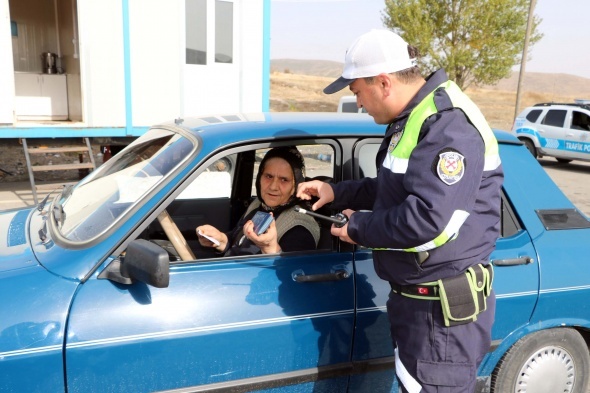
(573, 179)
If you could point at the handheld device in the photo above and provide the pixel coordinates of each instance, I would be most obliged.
(211, 239)
(338, 219)
(261, 222)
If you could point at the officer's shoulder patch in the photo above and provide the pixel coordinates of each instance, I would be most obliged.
(450, 166)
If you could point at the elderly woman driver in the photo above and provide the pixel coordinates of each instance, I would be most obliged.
(281, 170)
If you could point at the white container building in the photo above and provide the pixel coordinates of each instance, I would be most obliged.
(112, 68)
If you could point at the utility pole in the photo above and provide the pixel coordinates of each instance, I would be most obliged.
(529, 26)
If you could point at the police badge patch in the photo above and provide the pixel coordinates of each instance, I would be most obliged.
(450, 167)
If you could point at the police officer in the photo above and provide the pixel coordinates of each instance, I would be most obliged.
(435, 212)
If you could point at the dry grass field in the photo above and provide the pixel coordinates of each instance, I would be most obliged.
(301, 93)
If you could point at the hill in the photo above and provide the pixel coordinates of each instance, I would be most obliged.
(296, 85)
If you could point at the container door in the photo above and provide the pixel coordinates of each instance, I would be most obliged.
(211, 57)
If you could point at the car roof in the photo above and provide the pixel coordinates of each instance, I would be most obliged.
(561, 105)
(234, 128)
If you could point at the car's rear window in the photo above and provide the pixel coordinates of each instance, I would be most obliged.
(533, 115)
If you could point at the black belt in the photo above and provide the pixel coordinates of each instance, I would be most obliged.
(426, 290)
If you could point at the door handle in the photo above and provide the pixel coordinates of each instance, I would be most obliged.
(513, 261)
(338, 275)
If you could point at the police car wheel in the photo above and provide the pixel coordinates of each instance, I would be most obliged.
(530, 147)
(563, 160)
(548, 361)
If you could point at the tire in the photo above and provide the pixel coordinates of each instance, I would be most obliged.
(548, 361)
(563, 160)
(530, 147)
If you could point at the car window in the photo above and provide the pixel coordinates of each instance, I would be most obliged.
(100, 200)
(555, 117)
(580, 121)
(214, 182)
(533, 115)
(366, 160)
(509, 224)
(349, 107)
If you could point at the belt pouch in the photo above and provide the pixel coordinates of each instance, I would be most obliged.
(458, 299)
(481, 279)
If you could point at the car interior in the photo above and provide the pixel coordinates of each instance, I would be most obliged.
(220, 195)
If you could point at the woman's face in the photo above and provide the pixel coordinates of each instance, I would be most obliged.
(276, 183)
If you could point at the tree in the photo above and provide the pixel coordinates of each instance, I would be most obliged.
(475, 41)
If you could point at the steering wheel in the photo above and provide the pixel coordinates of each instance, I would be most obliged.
(175, 237)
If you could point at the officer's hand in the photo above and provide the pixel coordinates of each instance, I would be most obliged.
(315, 188)
(342, 232)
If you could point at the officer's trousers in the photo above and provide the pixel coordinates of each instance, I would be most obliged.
(431, 356)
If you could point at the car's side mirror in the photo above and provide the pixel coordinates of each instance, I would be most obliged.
(144, 261)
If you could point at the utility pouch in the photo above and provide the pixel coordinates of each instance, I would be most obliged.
(463, 297)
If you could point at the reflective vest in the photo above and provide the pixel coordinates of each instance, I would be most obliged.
(398, 155)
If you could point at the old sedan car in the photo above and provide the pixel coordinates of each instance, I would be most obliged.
(105, 287)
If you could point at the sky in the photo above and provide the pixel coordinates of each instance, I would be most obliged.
(323, 29)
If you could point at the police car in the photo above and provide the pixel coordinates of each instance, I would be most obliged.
(104, 286)
(556, 130)
(347, 104)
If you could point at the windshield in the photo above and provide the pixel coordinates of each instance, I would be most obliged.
(97, 202)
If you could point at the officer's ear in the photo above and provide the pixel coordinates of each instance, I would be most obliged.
(384, 83)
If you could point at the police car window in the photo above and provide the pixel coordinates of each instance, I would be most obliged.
(555, 118)
(533, 115)
(349, 107)
(580, 121)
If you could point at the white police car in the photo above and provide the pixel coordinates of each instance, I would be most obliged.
(556, 130)
(347, 104)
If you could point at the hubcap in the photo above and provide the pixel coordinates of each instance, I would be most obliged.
(549, 370)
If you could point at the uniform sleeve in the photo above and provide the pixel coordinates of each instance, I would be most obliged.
(355, 194)
(440, 185)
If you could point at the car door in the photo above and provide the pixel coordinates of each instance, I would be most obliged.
(578, 135)
(372, 353)
(555, 135)
(230, 324)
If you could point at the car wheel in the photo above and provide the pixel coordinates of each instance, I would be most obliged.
(530, 147)
(548, 361)
(563, 160)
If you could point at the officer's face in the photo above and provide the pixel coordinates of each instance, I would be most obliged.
(376, 97)
(383, 97)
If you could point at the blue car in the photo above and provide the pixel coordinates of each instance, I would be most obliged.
(105, 288)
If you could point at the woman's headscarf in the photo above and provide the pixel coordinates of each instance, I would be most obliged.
(295, 160)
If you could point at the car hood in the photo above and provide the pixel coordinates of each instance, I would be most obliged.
(15, 247)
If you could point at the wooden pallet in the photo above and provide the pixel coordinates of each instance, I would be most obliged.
(85, 151)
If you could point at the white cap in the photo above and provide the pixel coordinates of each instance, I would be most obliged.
(371, 54)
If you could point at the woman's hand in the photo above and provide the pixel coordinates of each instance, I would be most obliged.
(267, 241)
(212, 232)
